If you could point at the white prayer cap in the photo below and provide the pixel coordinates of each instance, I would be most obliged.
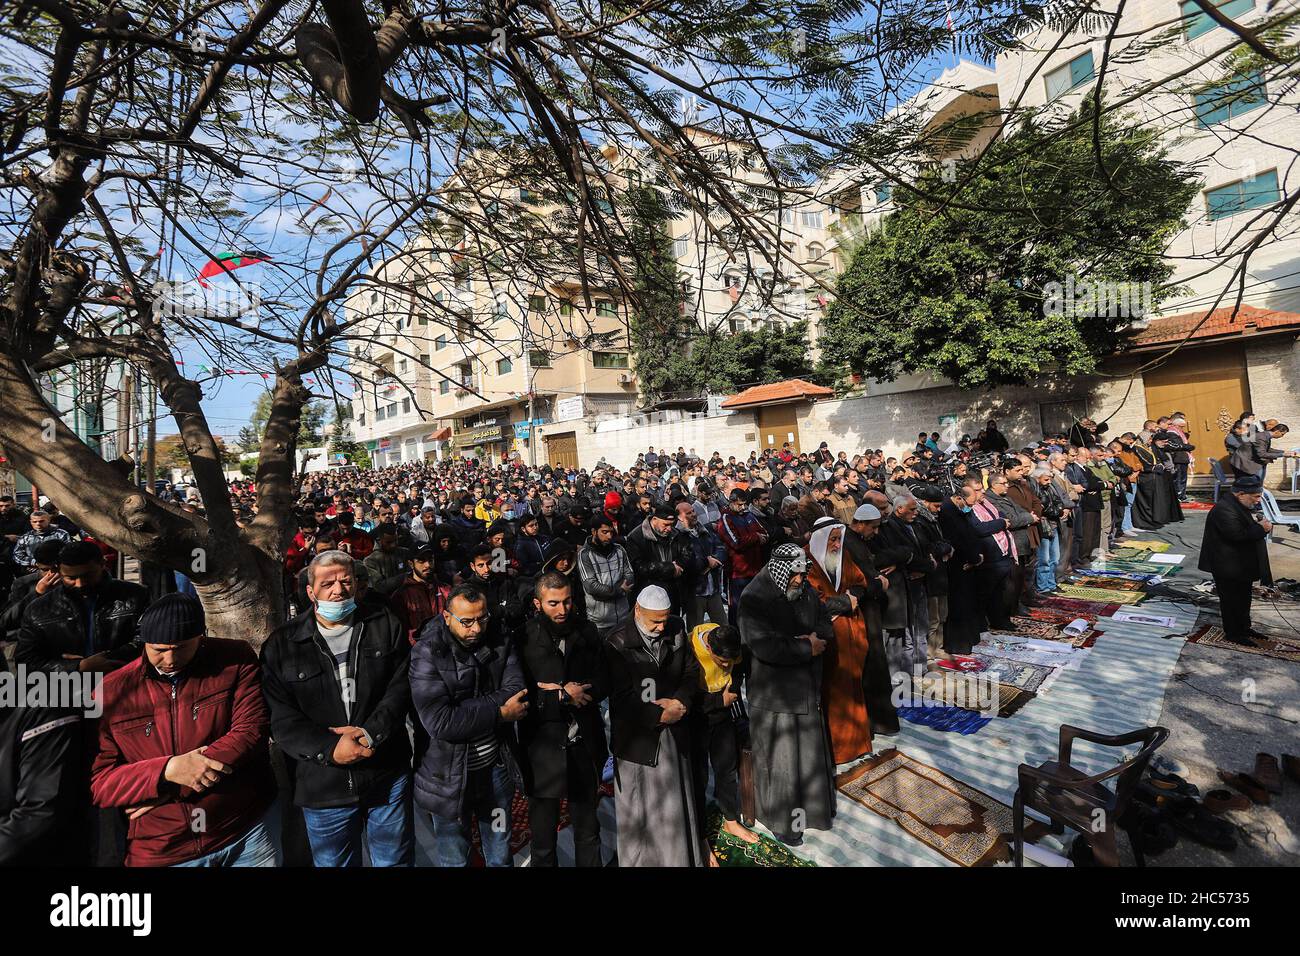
(867, 513)
(654, 598)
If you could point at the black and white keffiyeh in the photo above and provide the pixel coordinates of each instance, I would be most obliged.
(787, 559)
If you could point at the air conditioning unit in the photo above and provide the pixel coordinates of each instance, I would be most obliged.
(625, 379)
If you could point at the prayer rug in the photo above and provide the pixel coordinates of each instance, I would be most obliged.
(1028, 627)
(1018, 674)
(1146, 567)
(1081, 608)
(1011, 699)
(733, 851)
(1282, 648)
(1107, 582)
(1100, 594)
(968, 827)
(955, 719)
(970, 692)
(1136, 545)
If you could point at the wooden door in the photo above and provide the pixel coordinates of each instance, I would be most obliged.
(1209, 386)
(562, 450)
(778, 424)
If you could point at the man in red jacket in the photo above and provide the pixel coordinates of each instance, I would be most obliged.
(419, 597)
(746, 541)
(183, 746)
(350, 540)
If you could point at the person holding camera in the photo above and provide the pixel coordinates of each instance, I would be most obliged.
(562, 738)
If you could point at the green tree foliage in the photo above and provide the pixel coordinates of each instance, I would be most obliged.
(672, 355)
(962, 282)
(311, 429)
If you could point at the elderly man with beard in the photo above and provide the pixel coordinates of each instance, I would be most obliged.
(787, 629)
(877, 683)
(562, 739)
(654, 681)
(844, 590)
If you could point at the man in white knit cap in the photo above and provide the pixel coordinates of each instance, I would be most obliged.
(654, 681)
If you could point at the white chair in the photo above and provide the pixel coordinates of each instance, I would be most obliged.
(1274, 514)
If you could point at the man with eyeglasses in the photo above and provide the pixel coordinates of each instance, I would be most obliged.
(468, 689)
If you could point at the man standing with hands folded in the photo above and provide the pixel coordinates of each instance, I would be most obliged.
(563, 735)
(183, 746)
(335, 680)
(787, 627)
(654, 678)
(468, 690)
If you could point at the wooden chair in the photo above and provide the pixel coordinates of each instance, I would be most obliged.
(1069, 797)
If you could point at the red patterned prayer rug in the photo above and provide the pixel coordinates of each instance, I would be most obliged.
(1081, 607)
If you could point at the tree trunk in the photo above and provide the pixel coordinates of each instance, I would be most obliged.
(246, 600)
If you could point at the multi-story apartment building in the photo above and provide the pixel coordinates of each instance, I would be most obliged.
(465, 367)
(1169, 65)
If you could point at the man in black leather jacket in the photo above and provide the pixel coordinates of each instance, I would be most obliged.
(87, 622)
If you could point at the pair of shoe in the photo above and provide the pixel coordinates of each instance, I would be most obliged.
(1265, 779)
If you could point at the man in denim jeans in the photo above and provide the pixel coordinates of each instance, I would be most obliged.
(335, 681)
(468, 689)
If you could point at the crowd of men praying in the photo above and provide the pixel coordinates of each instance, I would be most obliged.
(464, 630)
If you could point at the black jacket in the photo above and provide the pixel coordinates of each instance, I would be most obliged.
(44, 789)
(652, 561)
(1235, 545)
(300, 683)
(784, 676)
(21, 593)
(635, 675)
(54, 624)
(458, 694)
(544, 733)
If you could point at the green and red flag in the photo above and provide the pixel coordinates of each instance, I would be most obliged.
(229, 262)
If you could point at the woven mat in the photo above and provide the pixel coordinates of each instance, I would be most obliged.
(1106, 582)
(968, 827)
(1079, 608)
(1136, 545)
(1028, 627)
(964, 690)
(1146, 567)
(733, 851)
(1054, 621)
(1100, 594)
(948, 719)
(1283, 648)
(1018, 674)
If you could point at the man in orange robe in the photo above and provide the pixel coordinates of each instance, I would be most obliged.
(841, 586)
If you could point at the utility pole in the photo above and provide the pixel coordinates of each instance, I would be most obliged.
(151, 448)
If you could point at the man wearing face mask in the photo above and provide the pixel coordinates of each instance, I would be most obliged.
(87, 622)
(183, 747)
(335, 680)
(654, 679)
(468, 689)
(787, 628)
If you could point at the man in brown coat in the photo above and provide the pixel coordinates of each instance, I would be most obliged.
(1022, 493)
